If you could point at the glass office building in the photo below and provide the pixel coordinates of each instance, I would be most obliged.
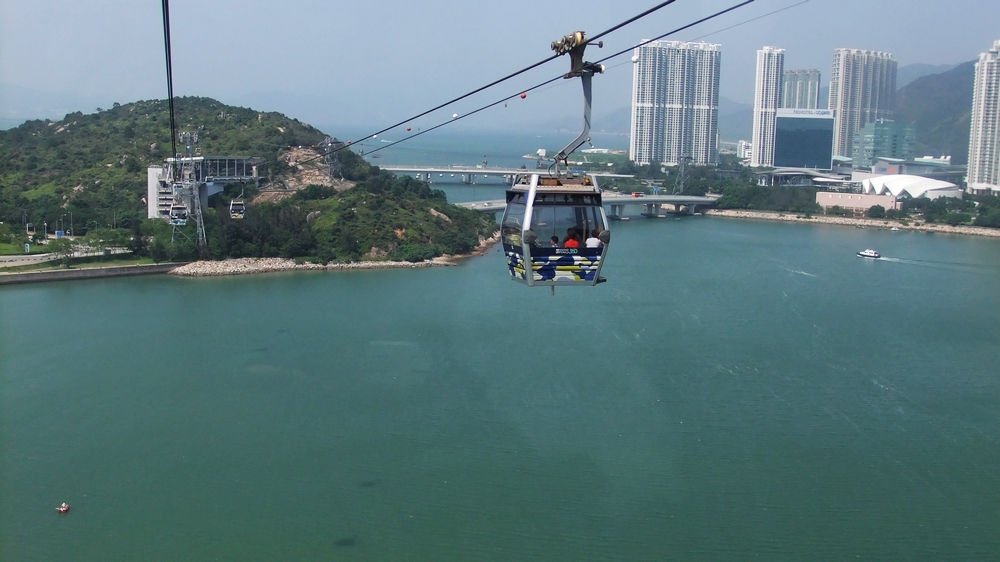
(803, 138)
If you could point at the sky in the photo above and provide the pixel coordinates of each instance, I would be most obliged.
(364, 65)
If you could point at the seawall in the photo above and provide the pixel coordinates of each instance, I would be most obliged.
(86, 273)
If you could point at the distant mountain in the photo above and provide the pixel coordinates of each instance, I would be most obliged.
(731, 107)
(940, 105)
(735, 120)
(907, 74)
(21, 104)
(618, 121)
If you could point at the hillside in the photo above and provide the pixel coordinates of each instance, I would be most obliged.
(91, 170)
(940, 105)
(94, 165)
(907, 74)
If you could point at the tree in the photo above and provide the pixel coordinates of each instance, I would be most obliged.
(63, 248)
(876, 212)
(955, 219)
(157, 250)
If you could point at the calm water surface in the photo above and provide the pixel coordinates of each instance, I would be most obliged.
(736, 390)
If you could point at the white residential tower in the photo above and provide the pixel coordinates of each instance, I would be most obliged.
(862, 90)
(800, 89)
(766, 101)
(675, 103)
(984, 134)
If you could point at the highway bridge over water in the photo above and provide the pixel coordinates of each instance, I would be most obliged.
(469, 174)
(653, 205)
(616, 203)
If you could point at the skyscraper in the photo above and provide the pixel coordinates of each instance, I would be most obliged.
(766, 100)
(800, 89)
(862, 90)
(984, 134)
(675, 103)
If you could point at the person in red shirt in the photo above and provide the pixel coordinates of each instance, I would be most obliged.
(572, 240)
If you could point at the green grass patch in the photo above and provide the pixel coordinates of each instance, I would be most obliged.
(48, 189)
(83, 263)
(18, 249)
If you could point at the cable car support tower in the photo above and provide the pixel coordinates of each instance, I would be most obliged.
(187, 194)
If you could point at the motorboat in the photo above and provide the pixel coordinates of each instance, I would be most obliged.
(64, 508)
(894, 229)
(869, 253)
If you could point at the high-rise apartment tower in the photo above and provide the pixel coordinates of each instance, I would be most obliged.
(766, 100)
(675, 103)
(862, 90)
(984, 133)
(800, 89)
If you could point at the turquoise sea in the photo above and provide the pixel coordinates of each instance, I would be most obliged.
(737, 390)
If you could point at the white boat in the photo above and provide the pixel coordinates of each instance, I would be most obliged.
(869, 253)
(894, 229)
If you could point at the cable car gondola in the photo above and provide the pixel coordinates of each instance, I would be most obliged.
(237, 207)
(554, 230)
(178, 214)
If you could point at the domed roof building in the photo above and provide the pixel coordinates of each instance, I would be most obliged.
(903, 186)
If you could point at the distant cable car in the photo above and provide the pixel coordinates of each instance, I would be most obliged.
(178, 214)
(237, 207)
(554, 230)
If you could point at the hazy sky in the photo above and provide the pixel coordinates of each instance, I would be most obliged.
(367, 64)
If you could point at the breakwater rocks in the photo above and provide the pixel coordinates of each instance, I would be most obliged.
(244, 266)
(863, 223)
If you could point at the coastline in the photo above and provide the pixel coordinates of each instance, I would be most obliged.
(846, 221)
(248, 266)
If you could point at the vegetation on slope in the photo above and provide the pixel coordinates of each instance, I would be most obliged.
(382, 217)
(940, 106)
(91, 169)
(94, 165)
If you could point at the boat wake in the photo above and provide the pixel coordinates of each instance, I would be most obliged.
(800, 272)
(942, 264)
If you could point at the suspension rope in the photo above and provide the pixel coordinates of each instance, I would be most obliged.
(170, 87)
(557, 78)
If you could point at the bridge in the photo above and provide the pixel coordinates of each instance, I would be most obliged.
(468, 174)
(653, 204)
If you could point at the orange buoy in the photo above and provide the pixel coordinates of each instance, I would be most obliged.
(524, 95)
(407, 128)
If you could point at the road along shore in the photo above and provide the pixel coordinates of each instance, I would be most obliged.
(865, 223)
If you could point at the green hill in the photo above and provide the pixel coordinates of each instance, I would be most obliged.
(940, 105)
(94, 167)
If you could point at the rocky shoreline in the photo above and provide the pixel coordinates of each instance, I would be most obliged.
(864, 223)
(243, 266)
(246, 266)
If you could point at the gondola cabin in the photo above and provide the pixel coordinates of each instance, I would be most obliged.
(554, 231)
(237, 209)
(178, 214)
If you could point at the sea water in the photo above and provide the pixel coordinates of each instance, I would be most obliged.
(736, 390)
